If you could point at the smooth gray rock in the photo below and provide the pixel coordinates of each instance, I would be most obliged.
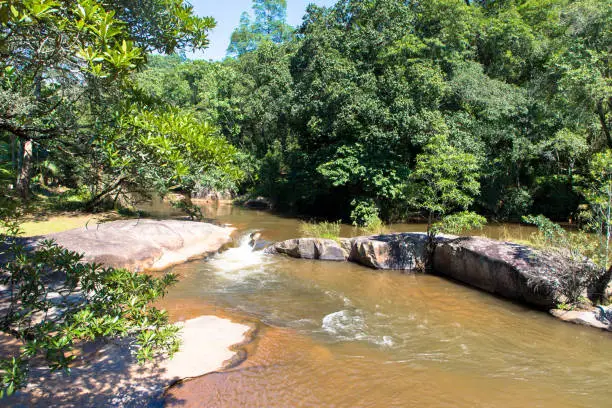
(583, 317)
(311, 248)
(259, 203)
(329, 250)
(393, 251)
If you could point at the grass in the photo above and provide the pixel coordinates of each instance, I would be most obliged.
(374, 228)
(48, 224)
(327, 230)
(58, 209)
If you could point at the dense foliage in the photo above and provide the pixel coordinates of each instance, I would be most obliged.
(71, 117)
(337, 117)
(69, 108)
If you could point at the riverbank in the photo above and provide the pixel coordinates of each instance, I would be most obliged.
(106, 374)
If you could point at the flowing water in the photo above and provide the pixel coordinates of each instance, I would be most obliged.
(341, 335)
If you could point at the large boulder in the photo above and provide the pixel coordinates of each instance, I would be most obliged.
(143, 244)
(392, 251)
(506, 269)
(311, 248)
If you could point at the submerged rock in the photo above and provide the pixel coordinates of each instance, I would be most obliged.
(513, 271)
(143, 244)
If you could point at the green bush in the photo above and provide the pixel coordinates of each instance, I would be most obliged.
(53, 301)
(327, 230)
(365, 214)
(459, 222)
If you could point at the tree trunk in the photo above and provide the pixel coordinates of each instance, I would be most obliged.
(604, 123)
(97, 199)
(13, 151)
(187, 198)
(23, 177)
(430, 247)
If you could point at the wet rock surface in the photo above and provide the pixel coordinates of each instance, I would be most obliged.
(142, 244)
(259, 203)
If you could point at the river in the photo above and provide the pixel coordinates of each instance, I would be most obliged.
(342, 335)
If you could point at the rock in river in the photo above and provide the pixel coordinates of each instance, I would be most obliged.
(392, 251)
(513, 271)
(311, 248)
(143, 244)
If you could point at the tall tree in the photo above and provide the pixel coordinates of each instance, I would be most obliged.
(270, 24)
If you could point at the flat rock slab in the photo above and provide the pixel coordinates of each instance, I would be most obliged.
(583, 317)
(204, 348)
(143, 244)
(107, 374)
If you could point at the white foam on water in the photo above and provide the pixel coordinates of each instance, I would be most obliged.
(345, 324)
(241, 262)
(350, 325)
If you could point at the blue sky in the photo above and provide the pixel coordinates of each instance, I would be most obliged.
(227, 13)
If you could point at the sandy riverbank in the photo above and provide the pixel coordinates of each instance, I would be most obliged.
(107, 374)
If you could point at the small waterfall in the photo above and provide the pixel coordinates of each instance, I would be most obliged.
(240, 262)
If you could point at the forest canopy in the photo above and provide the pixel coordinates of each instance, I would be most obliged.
(336, 115)
(327, 119)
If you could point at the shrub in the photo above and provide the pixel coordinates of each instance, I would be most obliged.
(459, 222)
(571, 280)
(374, 227)
(327, 230)
(53, 301)
(193, 211)
(365, 214)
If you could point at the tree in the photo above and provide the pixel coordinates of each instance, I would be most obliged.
(443, 184)
(59, 56)
(596, 188)
(270, 24)
(336, 116)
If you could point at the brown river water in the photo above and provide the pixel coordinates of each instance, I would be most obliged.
(342, 335)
